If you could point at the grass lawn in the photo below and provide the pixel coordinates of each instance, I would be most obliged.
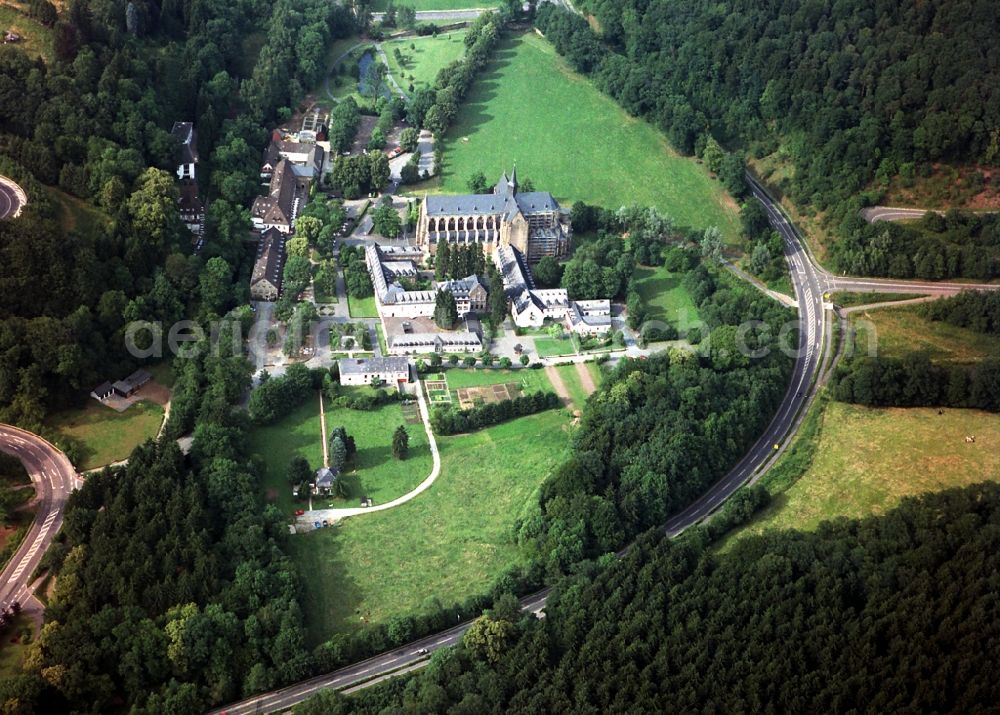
(902, 330)
(362, 307)
(74, 214)
(666, 297)
(448, 543)
(533, 380)
(422, 63)
(381, 477)
(13, 651)
(529, 107)
(36, 39)
(298, 433)
(552, 347)
(105, 435)
(867, 459)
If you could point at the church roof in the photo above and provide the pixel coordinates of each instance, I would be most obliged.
(536, 202)
(466, 205)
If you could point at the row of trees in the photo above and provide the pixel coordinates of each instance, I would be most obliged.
(343, 125)
(976, 310)
(914, 381)
(962, 244)
(456, 261)
(356, 278)
(847, 617)
(446, 420)
(436, 108)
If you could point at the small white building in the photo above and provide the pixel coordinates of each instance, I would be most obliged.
(393, 371)
(440, 343)
(533, 307)
(591, 318)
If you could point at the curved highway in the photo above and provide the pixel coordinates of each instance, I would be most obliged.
(12, 198)
(811, 283)
(813, 339)
(54, 478)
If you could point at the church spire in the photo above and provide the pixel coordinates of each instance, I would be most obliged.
(513, 178)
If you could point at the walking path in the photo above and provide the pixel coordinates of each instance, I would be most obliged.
(560, 387)
(890, 304)
(586, 379)
(307, 521)
(322, 427)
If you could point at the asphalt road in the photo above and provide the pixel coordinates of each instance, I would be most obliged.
(405, 657)
(10, 202)
(54, 478)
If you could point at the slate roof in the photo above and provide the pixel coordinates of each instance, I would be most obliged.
(276, 207)
(467, 205)
(380, 365)
(135, 380)
(270, 258)
(325, 477)
(536, 202)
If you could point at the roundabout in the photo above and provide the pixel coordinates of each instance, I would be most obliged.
(12, 198)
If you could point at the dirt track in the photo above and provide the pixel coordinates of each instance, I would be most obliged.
(586, 379)
(557, 383)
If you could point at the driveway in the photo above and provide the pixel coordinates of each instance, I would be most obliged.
(425, 146)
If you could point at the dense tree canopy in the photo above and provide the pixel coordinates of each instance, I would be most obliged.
(851, 92)
(890, 613)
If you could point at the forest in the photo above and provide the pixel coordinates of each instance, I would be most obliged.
(95, 125)
(662, 429)
(914, 381)
(885, 614)
(852, 93)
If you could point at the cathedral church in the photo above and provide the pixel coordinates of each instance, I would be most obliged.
(532, 222)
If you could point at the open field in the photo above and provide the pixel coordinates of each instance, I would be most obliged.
(422, 63)
(449, 543)
(36, 38)
(532, 380)
(902, 330)
(529, 107)
(362, 307)
(107, 436)
(667, 299)
(381, 477)
(867, 459)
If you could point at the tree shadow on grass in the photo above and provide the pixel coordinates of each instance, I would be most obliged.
(331, 599)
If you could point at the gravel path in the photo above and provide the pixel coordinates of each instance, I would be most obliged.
(586, 379)
(560, 387)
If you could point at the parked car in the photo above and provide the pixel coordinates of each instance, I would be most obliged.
(299, 512)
